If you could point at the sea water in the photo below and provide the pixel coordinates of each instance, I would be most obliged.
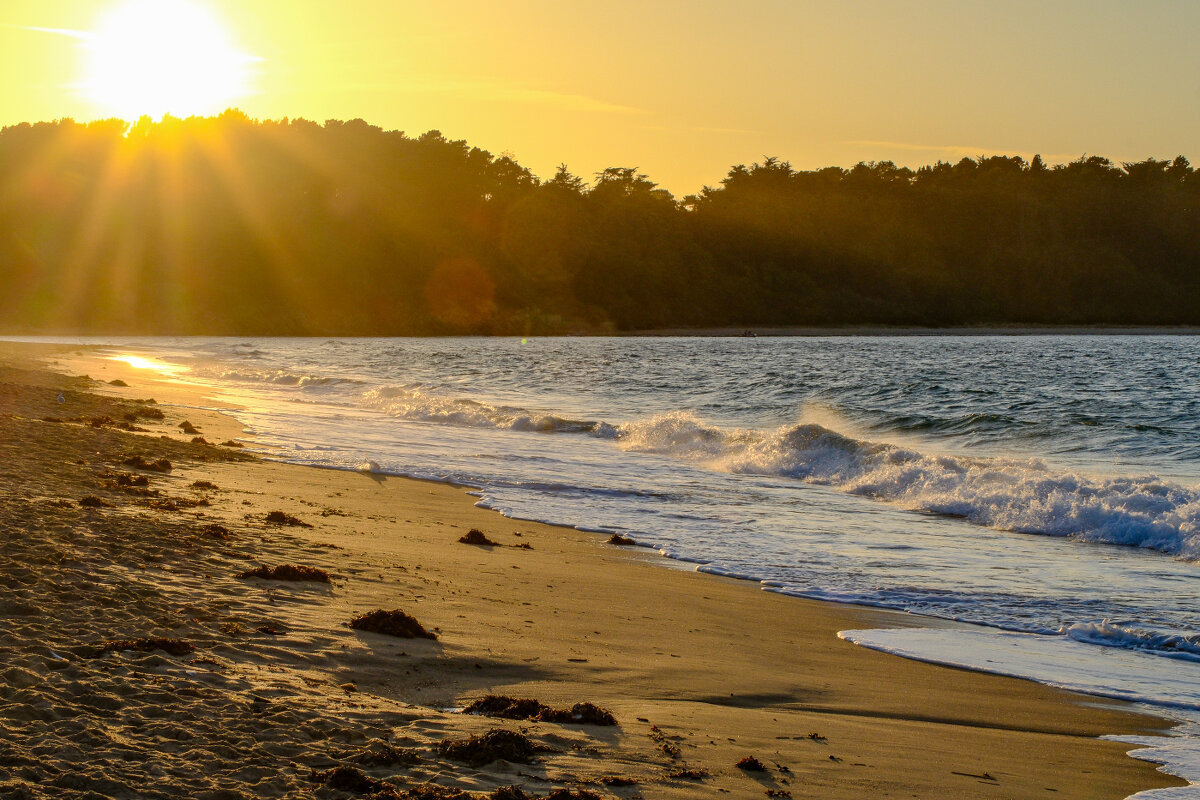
(1043, 488)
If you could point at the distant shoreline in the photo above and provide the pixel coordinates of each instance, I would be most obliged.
(756, 331)
(908, 330)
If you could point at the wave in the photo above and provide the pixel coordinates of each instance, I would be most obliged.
(282, 377)
(1130, 637)
(1024, 496)
(415, 403)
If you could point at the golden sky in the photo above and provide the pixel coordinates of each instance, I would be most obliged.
(682, 90)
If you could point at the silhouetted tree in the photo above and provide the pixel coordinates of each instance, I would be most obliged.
(231, 225)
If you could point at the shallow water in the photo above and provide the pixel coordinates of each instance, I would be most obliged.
(1046, 485)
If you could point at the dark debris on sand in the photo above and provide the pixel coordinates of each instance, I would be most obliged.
(206, 485)
(174, 503)
(391, 623)
(123, 479)
(751, 764)
(91, 501)
(188, 428)
(355, 781)
(118, 382)
(215, 531)
(102, 421)
(386, 755)
(131, 484)
(623, 541)
(352, 779)
(143, 411)
(431, 791)
(288, 572)
(495, 745)
(140, 462)
(280, 518)
(689, 774)
(176, 647)
(477, 537)
(527, 708)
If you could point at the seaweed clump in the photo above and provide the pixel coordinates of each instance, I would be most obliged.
(386, 755)
(391, 623)
(526, 708)
(91, 501)
(288, 572)
(176, 647)
(477, 537)
(139, 462)
(622, 541)
(126, 479)
(215, 531)
(131, 484)
(751, 764)
(280, 518)
(497, 744)
(143, 412)
(352, 779)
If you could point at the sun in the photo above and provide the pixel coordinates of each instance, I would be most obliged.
(156, 57)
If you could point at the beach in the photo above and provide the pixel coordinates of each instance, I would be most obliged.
(276, 690)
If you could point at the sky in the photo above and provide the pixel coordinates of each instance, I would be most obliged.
(681, 90)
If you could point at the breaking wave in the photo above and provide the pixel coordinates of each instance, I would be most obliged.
(280, 377)
(1133, 637)
(1025, 496)
(414, 403)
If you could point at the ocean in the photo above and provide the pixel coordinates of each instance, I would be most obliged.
(1043, 490)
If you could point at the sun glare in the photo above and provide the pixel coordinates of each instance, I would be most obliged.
(140, 362)
(156, 57)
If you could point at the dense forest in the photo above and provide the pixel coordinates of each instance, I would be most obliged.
(228, 225)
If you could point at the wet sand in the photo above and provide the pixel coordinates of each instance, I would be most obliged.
(276, 689)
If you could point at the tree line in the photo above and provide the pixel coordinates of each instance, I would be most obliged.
(228, 225)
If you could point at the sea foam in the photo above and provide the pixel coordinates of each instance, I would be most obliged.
(1022, 495)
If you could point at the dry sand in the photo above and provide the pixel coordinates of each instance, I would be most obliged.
(699, 671)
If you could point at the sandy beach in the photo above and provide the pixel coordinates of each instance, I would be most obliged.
(138, 660)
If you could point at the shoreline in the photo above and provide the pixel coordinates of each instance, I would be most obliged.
(819, 331)
(610, 625)
(703, 332)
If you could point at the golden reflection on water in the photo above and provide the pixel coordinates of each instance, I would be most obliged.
(161, 367)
